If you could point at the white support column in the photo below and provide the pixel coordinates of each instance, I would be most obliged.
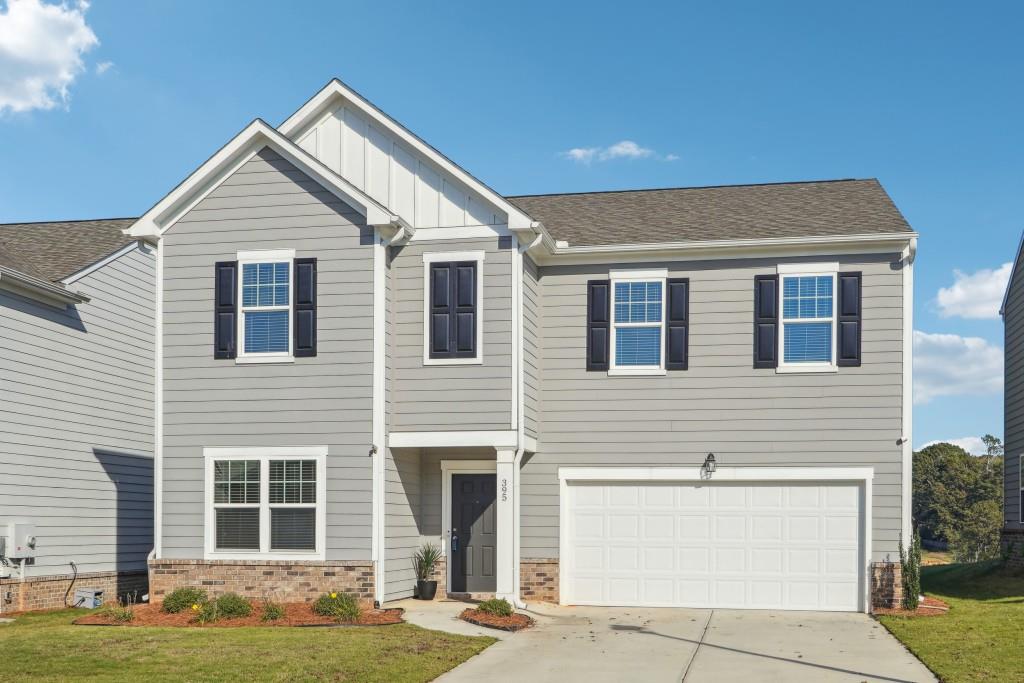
(506, 516)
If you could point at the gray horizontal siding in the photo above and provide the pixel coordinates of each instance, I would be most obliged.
(325, 400)
(746, 417)
(532, 310)
(1013, 395)
(402, 510)
(77, 412)
(436, 397)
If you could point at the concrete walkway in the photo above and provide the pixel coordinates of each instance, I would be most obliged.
(595, 645)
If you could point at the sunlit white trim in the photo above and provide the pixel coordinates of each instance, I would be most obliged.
(158, 407)
(648, 274)
(807, 268)
(448, 257)
(265, 454)
(378, 409)
(460, 232)
(88, 270)
(493, 439)
(906, 489)
(40, 290)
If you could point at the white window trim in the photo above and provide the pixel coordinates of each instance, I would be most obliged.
(266, 256)
(784, 271)
(265, 455)
(617, 276)
(443, 257)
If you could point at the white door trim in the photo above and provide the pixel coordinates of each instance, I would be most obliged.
(860, 475)
(448, 468)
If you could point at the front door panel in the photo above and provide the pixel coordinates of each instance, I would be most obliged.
(473, 525)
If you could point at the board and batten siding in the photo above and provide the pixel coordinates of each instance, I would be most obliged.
(450, 397)
(324, 400)
(746, 417)
(1013, 394)
(76, 446)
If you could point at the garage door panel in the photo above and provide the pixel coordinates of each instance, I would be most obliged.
(788, 546)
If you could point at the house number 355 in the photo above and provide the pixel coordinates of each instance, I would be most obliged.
(504, 490)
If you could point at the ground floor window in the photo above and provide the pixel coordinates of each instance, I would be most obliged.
(265, 501)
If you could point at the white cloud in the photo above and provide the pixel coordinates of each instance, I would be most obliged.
(975, 295)
(951, 365)
(624, 149)
(972, 444)
(41, 48)
(103, 67)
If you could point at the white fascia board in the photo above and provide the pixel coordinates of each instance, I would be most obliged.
(493, 439)
(78, 275)
(230, 158)
(310, 113)
(728, 249)
(40, 290)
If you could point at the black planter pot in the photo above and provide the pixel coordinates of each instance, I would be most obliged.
(426, 590)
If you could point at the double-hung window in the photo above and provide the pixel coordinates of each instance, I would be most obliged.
(638, 322)
(265, 320)
(808, 321)
(265, 502)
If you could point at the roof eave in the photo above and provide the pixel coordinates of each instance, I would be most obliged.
(41, 290)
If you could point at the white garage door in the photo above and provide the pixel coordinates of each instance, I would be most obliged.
(777, 546)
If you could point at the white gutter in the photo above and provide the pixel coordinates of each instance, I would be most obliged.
(706, 245)
(31, 286)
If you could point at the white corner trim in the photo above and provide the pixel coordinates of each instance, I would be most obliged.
(807, 268)
(88, 270)
(158, 407)
(264, 454)
(646, 274)
(492, 439)
(906, 492)
(444, 257)
(378, 409)
(863, 476)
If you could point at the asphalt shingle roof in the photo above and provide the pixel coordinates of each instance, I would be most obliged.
(52, 251)
(805, 209)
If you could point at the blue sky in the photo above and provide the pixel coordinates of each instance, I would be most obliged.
(924, 96)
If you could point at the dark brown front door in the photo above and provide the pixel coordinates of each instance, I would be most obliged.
(474, 537)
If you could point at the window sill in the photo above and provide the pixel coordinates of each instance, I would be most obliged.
(453, 361)
(806, 369)
(248, 360)
(636, 372)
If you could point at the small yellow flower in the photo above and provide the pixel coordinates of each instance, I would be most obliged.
(333, 596)
(195, 608)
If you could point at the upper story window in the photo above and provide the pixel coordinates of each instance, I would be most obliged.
(808, 320)
(638, 322)
(266, 307)
(452, 308)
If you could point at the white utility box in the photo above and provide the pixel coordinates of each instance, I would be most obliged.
(21, 541)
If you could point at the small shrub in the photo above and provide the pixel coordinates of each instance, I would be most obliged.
(910, 572)
(227, 606)
(272, 611)
(181, 599)
(341, 606)
(121, 612)
(499, 607)
(207, 612)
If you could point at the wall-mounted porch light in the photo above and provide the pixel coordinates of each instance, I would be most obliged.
(709, 465)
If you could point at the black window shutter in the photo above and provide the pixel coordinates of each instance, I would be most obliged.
(848, 320)
(225, 309)
(453, 310)
(677, 324)
(598, 323)
(766, 321)
(304, 313)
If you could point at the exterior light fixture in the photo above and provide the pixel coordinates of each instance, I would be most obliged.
(709, 464)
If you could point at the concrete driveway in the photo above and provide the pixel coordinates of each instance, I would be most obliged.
(593, 645)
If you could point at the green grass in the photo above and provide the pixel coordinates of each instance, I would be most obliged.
(47, 647)
(980, 638)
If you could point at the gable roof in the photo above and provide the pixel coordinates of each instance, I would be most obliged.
(52, 251)
(831, 208)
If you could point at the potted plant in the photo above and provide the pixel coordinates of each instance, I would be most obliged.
(424, 562)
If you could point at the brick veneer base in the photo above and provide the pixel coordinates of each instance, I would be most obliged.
(47, 592)
(886, 585)
(1013, 547)
(281, 580)
(538, 580)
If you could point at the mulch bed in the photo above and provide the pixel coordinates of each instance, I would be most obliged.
(929, 607)
(516, 622)
(295, 614)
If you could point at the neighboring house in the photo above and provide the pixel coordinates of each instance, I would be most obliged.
(76, 419)
(362, 348)
(1012, 311)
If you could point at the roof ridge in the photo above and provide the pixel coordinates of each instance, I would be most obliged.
(694, 187)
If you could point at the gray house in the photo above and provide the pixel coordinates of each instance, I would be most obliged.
(1013, 411)
(76, 419)
(694, 397)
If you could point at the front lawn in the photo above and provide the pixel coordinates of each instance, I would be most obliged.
(980, 639)
(46, 647)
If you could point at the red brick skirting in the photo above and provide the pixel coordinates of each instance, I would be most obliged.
(886, 585)
(1013, 547)
(538, 580)
(279, 580)
(47, 592)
